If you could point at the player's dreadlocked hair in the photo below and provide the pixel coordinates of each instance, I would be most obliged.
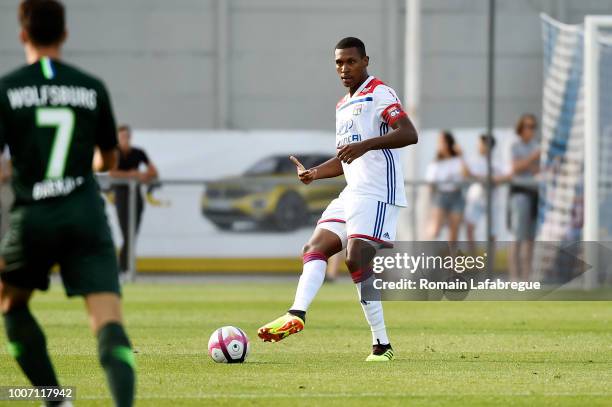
(352, 42)
(43, 20)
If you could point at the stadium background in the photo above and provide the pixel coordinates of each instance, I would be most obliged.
(265, 64)
(255, 78)
(212, 86)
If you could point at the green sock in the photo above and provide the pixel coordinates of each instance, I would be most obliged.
(28, 346)
(117, 360)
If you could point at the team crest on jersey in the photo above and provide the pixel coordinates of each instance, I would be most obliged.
(358, 109)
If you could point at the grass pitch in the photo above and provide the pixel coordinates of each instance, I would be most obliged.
(460, 353)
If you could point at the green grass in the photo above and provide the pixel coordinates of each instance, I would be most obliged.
(463, 353)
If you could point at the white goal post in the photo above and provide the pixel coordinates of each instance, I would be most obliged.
(594, 26)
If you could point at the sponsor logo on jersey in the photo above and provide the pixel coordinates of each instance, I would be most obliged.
(386, 235)
(358, 109)
(353, 138)
(344, 127)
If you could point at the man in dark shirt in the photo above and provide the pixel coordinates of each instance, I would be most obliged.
(130, 160)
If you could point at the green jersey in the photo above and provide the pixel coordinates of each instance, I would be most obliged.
(51, 117)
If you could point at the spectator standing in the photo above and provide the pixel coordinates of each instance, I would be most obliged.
(446, 174)
(476, 168)
(130, 161)
(524, 197)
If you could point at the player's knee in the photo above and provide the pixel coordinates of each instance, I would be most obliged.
(9, 304)
(10, 299)
(2, 292)
(351, 262)
(5, 304)
(309, 248)
(103, 308)
(359, 254)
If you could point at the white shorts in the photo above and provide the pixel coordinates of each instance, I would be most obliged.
(361, 218)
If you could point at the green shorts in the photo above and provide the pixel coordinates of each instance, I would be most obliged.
(72, 232)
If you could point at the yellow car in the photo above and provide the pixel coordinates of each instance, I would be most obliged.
(270, 195)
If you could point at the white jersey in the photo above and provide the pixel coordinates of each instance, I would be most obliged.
(369, 113)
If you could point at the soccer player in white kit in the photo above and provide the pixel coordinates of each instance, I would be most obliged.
(371, 127)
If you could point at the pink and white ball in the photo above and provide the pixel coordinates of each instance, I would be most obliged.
(228, 345)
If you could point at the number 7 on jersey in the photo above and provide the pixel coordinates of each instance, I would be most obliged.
(63, 121)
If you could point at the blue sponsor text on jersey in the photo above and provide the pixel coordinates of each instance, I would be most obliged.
(353, 138)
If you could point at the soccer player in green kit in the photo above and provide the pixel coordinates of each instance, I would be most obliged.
(52, 117)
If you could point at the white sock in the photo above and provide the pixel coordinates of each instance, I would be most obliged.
(311, 281)
(373, 311)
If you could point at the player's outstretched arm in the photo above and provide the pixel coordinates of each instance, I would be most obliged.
(402, 135)
(329, 169)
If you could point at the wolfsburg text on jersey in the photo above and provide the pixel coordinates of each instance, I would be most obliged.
(52, 95)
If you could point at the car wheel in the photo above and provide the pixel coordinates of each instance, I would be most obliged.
(290, 212)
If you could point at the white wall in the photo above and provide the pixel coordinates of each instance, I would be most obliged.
(164, 60)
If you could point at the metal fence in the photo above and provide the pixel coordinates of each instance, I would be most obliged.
(412, 227)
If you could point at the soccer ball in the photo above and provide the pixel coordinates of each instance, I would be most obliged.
(228, 345)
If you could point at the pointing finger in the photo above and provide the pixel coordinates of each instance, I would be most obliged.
(297, 163)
